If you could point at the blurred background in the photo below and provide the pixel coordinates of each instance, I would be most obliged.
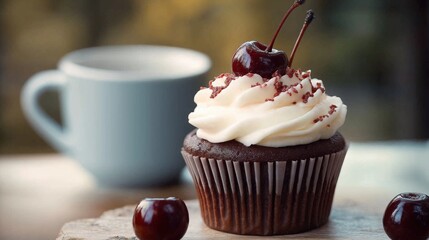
(373, 54)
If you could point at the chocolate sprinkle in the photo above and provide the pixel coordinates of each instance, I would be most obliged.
(333, 109)
(216, 90)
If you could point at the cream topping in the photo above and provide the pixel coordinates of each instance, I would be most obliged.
(282, 111)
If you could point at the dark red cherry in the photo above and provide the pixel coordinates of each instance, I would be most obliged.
(160, 218)
(407, 217)
(255, 57)
(252, 57)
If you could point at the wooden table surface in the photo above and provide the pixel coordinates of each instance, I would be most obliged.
(40, 193)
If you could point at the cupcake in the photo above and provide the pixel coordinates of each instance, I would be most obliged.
(266, 152)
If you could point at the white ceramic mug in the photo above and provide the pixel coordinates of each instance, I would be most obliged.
(124, 110)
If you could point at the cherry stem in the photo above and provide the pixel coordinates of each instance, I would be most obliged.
(308, 19)
(296, 4)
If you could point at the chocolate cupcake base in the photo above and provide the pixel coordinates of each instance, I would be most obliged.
(267, 197)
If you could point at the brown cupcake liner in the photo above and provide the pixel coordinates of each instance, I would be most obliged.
(265, 198)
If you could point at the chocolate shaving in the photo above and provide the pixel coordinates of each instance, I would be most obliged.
(320, 118)
(259, 84)
(332, 109)
(280, 87)
(216, 90)
(276, 74)
(306, 96)
(290, 72)
(294, 90)
(318, 86)
(305, 75)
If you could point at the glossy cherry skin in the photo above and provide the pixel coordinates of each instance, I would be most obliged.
(251, 57)
(407, 217)
(160, 219)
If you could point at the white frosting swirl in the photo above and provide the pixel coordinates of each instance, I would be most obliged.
(277, 112)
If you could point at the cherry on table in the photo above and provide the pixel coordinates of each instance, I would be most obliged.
(407, 217)
(160, 218)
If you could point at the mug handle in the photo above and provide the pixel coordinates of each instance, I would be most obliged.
(41, 122)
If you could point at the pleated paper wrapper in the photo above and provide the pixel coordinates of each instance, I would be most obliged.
(265, 198)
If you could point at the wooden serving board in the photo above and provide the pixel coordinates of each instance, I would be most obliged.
(349, 220)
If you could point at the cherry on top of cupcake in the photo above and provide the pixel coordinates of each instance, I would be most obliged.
(255, 57)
